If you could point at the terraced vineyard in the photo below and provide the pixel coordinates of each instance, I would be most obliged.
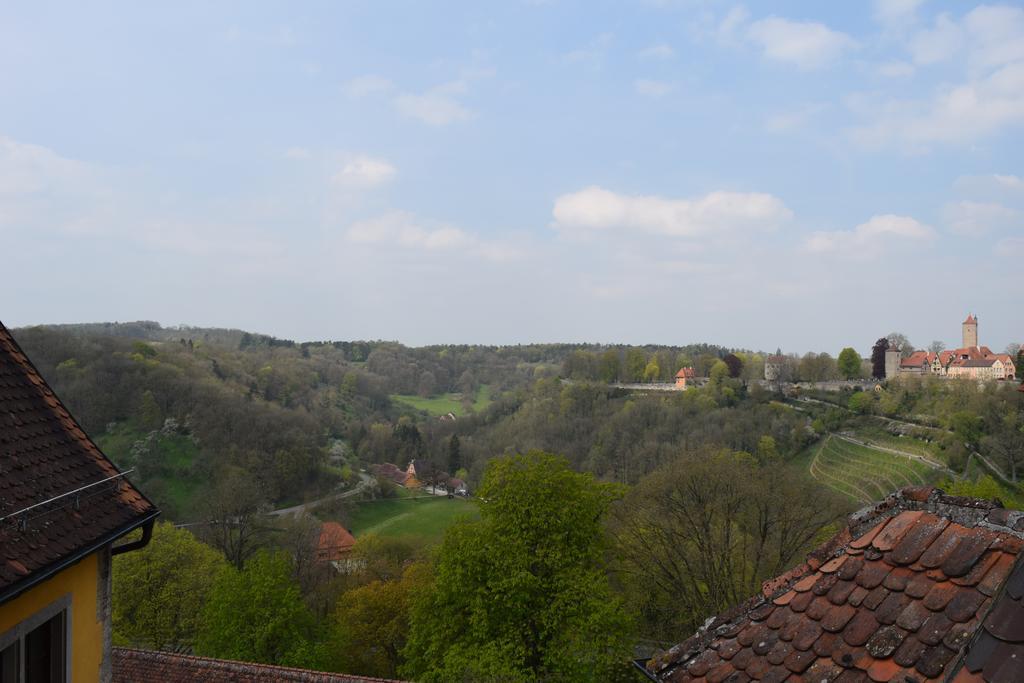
(864, 473)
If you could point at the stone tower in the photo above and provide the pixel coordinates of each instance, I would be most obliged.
(970, 331)
(892, 361)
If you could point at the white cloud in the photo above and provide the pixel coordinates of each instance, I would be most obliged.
(597, 209)
(364, 171)
(939, 43)
(896, 69)
(650, 88)
(28, 169)
(878, 235)
(659, 51)
(403, 229)
(996, 35)
(894, 13)
(407, 231)
(437, 106)
(805, 44)
(1011, 247)
(731, 23)
(370, 84)
(978, 218)
(956, 114)
(1009, 181)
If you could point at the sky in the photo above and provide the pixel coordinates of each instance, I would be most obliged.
(801, 175)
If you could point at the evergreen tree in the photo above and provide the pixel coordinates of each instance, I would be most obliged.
(454, 455)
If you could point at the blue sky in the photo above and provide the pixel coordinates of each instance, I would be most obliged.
(795, 174)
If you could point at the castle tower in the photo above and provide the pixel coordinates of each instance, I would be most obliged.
(892, 361)
(970, 331)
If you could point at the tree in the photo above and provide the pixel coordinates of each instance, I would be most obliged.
(967, 426)
(652, 371)
(257, 614)
(609, 366)
(233, 508)
(371, 624)
(159, 591)
(900, 341)
(861, 402)
(427, 384)
(522, 594)
(700, 534)
(636, 362)
(454, 454)
(849, 363)
(937, 346)
(734, 363)
(878, 358)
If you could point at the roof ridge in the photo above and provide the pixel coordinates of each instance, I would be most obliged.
(964, 510)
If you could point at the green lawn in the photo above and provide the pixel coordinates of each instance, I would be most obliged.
(866, 474)
(422, 518)
(445, 403)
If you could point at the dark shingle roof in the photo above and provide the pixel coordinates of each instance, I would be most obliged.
(921, 587)
(44, 454)
(145, 666)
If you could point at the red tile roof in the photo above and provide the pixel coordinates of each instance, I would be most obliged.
(147, 666)
(971, 319)
(335, 541)
(917, 588)
(687, 373)
(44, 454)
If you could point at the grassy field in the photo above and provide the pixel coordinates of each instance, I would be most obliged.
(422, 518)
(445, 403)
(866, 474)
(908, 444)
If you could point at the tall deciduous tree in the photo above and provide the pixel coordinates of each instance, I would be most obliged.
(257, 614)
(371, 624)
(523, 594)
(849, 363)
(900, 341)
(159, 591)
(734, 363)
(702, 533)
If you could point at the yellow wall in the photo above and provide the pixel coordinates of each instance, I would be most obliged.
(81, 581)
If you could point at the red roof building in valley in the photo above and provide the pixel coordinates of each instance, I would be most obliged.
(684, 375)
(920, 587)
(146, 666)
(335, 542)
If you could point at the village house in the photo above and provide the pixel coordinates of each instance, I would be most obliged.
(774, 366)
(64, 512)
(918, 587)
(335, 542)
(684, 375)
(970, 361)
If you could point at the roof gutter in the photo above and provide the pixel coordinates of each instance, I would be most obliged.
(641, 665)
(35, 578)
(147, 534)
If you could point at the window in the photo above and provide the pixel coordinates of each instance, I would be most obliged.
(36, 650)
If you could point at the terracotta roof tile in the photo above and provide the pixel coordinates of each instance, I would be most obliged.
(911, 602)
(146, 666)
(45, 455)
